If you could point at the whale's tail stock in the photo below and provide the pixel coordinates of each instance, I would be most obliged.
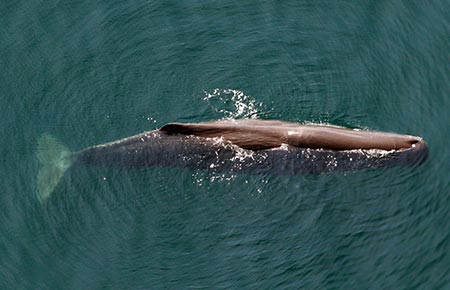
(54, 159)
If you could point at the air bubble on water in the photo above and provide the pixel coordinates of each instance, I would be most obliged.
(151, 119)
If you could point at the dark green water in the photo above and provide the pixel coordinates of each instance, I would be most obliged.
(91, 72)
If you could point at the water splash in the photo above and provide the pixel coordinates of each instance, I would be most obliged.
(233, 104)
(231, 176)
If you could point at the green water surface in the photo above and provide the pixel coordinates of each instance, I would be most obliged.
(90, 72)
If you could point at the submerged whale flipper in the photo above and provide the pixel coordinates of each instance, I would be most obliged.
(54, 159)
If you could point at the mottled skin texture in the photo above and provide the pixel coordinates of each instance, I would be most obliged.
(259, 146)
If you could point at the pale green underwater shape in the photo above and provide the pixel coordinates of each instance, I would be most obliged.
(54, 159)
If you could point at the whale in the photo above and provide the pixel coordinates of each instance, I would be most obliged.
(246, 145)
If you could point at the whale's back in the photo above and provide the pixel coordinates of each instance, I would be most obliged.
(264, 134)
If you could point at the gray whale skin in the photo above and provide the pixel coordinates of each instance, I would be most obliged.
(249, 145)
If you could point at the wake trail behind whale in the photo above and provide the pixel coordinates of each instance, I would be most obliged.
(54, 159)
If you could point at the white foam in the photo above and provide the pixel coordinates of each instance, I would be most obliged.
(243, 106)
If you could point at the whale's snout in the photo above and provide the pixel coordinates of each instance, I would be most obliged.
(414, 141)
(417, 153)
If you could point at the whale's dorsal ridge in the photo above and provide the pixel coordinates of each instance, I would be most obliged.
(246, 137)
(176, 128)
(223, 125)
